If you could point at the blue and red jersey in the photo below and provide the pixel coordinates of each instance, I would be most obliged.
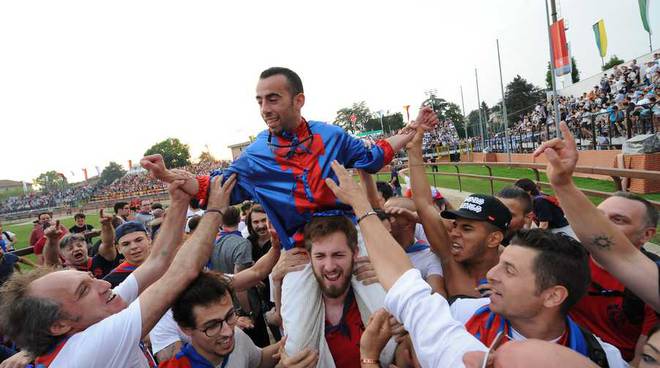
(286, 174)
(120, 273)
(188, 357)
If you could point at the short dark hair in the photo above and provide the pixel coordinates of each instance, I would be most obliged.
(70, 238)
(528, 186)
(517, 194)
(294, 82)
(245, 206)
(156, 205)
(119, 205)
(651, 213)
(231, 216)
(322, 226)
(26, 318)
(384, 189)
(79, 215)
(562, 260)
(44, 213)
(193, 222)
(194, 203)
(256, 208)
(208, 288)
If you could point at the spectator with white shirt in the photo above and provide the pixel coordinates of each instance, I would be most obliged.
(403, 223)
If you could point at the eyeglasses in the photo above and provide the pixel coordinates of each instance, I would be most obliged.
(214, 327)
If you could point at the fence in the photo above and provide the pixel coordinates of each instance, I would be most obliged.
(617, 175)
(592, 131)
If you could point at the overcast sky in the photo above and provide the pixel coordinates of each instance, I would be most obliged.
(86, 82)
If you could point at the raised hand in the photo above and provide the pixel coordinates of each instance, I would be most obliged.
(562, 157)
(104, 219)
(54, 231)
(402, 212)
(376, 335)
(156, 167)
(220, 193)
(175, 189)
(303, 359)
(364, 271)
(348, 191)
(426, 119)
(290, 261)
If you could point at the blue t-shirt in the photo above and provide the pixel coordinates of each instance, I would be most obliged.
(7, 266)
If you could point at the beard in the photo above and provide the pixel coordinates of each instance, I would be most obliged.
(334, 291)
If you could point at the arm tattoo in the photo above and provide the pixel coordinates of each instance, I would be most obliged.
(602, 241)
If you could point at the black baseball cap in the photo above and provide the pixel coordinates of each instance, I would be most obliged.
(482, 207)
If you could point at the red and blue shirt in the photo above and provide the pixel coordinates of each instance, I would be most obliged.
(188, 357)
(286, 174)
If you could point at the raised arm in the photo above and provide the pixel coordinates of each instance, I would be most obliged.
(187, 264)
(387, 257)
(457, 280)
(51, 248)
(609, 246)
(107, 249)
(164, 247)
(369, 186)
(252, 276)
(426, 120)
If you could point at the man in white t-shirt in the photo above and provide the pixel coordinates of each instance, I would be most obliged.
(205, 313)
(403, 230)
(70, 319)
(540, 276)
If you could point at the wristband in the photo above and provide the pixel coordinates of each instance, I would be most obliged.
(215, 210)
(369, 361)
(369, 213)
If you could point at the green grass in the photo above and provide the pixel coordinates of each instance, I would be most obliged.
(23, 231)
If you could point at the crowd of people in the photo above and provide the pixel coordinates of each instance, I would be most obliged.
(69, 196)
(600, 115)
(282, 259)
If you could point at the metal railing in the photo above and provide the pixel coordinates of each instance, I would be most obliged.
(617, 175)
(593, 131)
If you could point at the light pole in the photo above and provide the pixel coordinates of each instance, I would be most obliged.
(504, 115)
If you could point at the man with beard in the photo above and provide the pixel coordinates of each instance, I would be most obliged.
(332, 245)
(471, 247)
(70, 250)
(257, 225)
(134, 243)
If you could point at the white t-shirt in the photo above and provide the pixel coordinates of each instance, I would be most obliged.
(245, 354)
(166, 332)
(439, 340)
(464, 309)
(426, 262)
(112, 342)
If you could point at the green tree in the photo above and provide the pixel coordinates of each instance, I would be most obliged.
(521, 97)
(575, 74)
(447, 111)
(614, 61)
(111, 173)
(175, 153)
(206, 157)
(391, 122)
(358, 110)
(51, 180)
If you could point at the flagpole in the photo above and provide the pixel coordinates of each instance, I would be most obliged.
(481, 123)
(504, 115)
(465, 124)
(650, 42)
(552, 74)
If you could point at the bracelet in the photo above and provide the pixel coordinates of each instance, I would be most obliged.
(369, 361)
(215, 210)
(369, 213)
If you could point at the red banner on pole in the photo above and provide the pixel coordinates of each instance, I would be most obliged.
(562, 59)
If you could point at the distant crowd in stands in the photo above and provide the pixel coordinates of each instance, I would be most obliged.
(128, 186)
(630, 90)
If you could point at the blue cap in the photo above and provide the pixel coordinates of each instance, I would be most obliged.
(127, 228)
